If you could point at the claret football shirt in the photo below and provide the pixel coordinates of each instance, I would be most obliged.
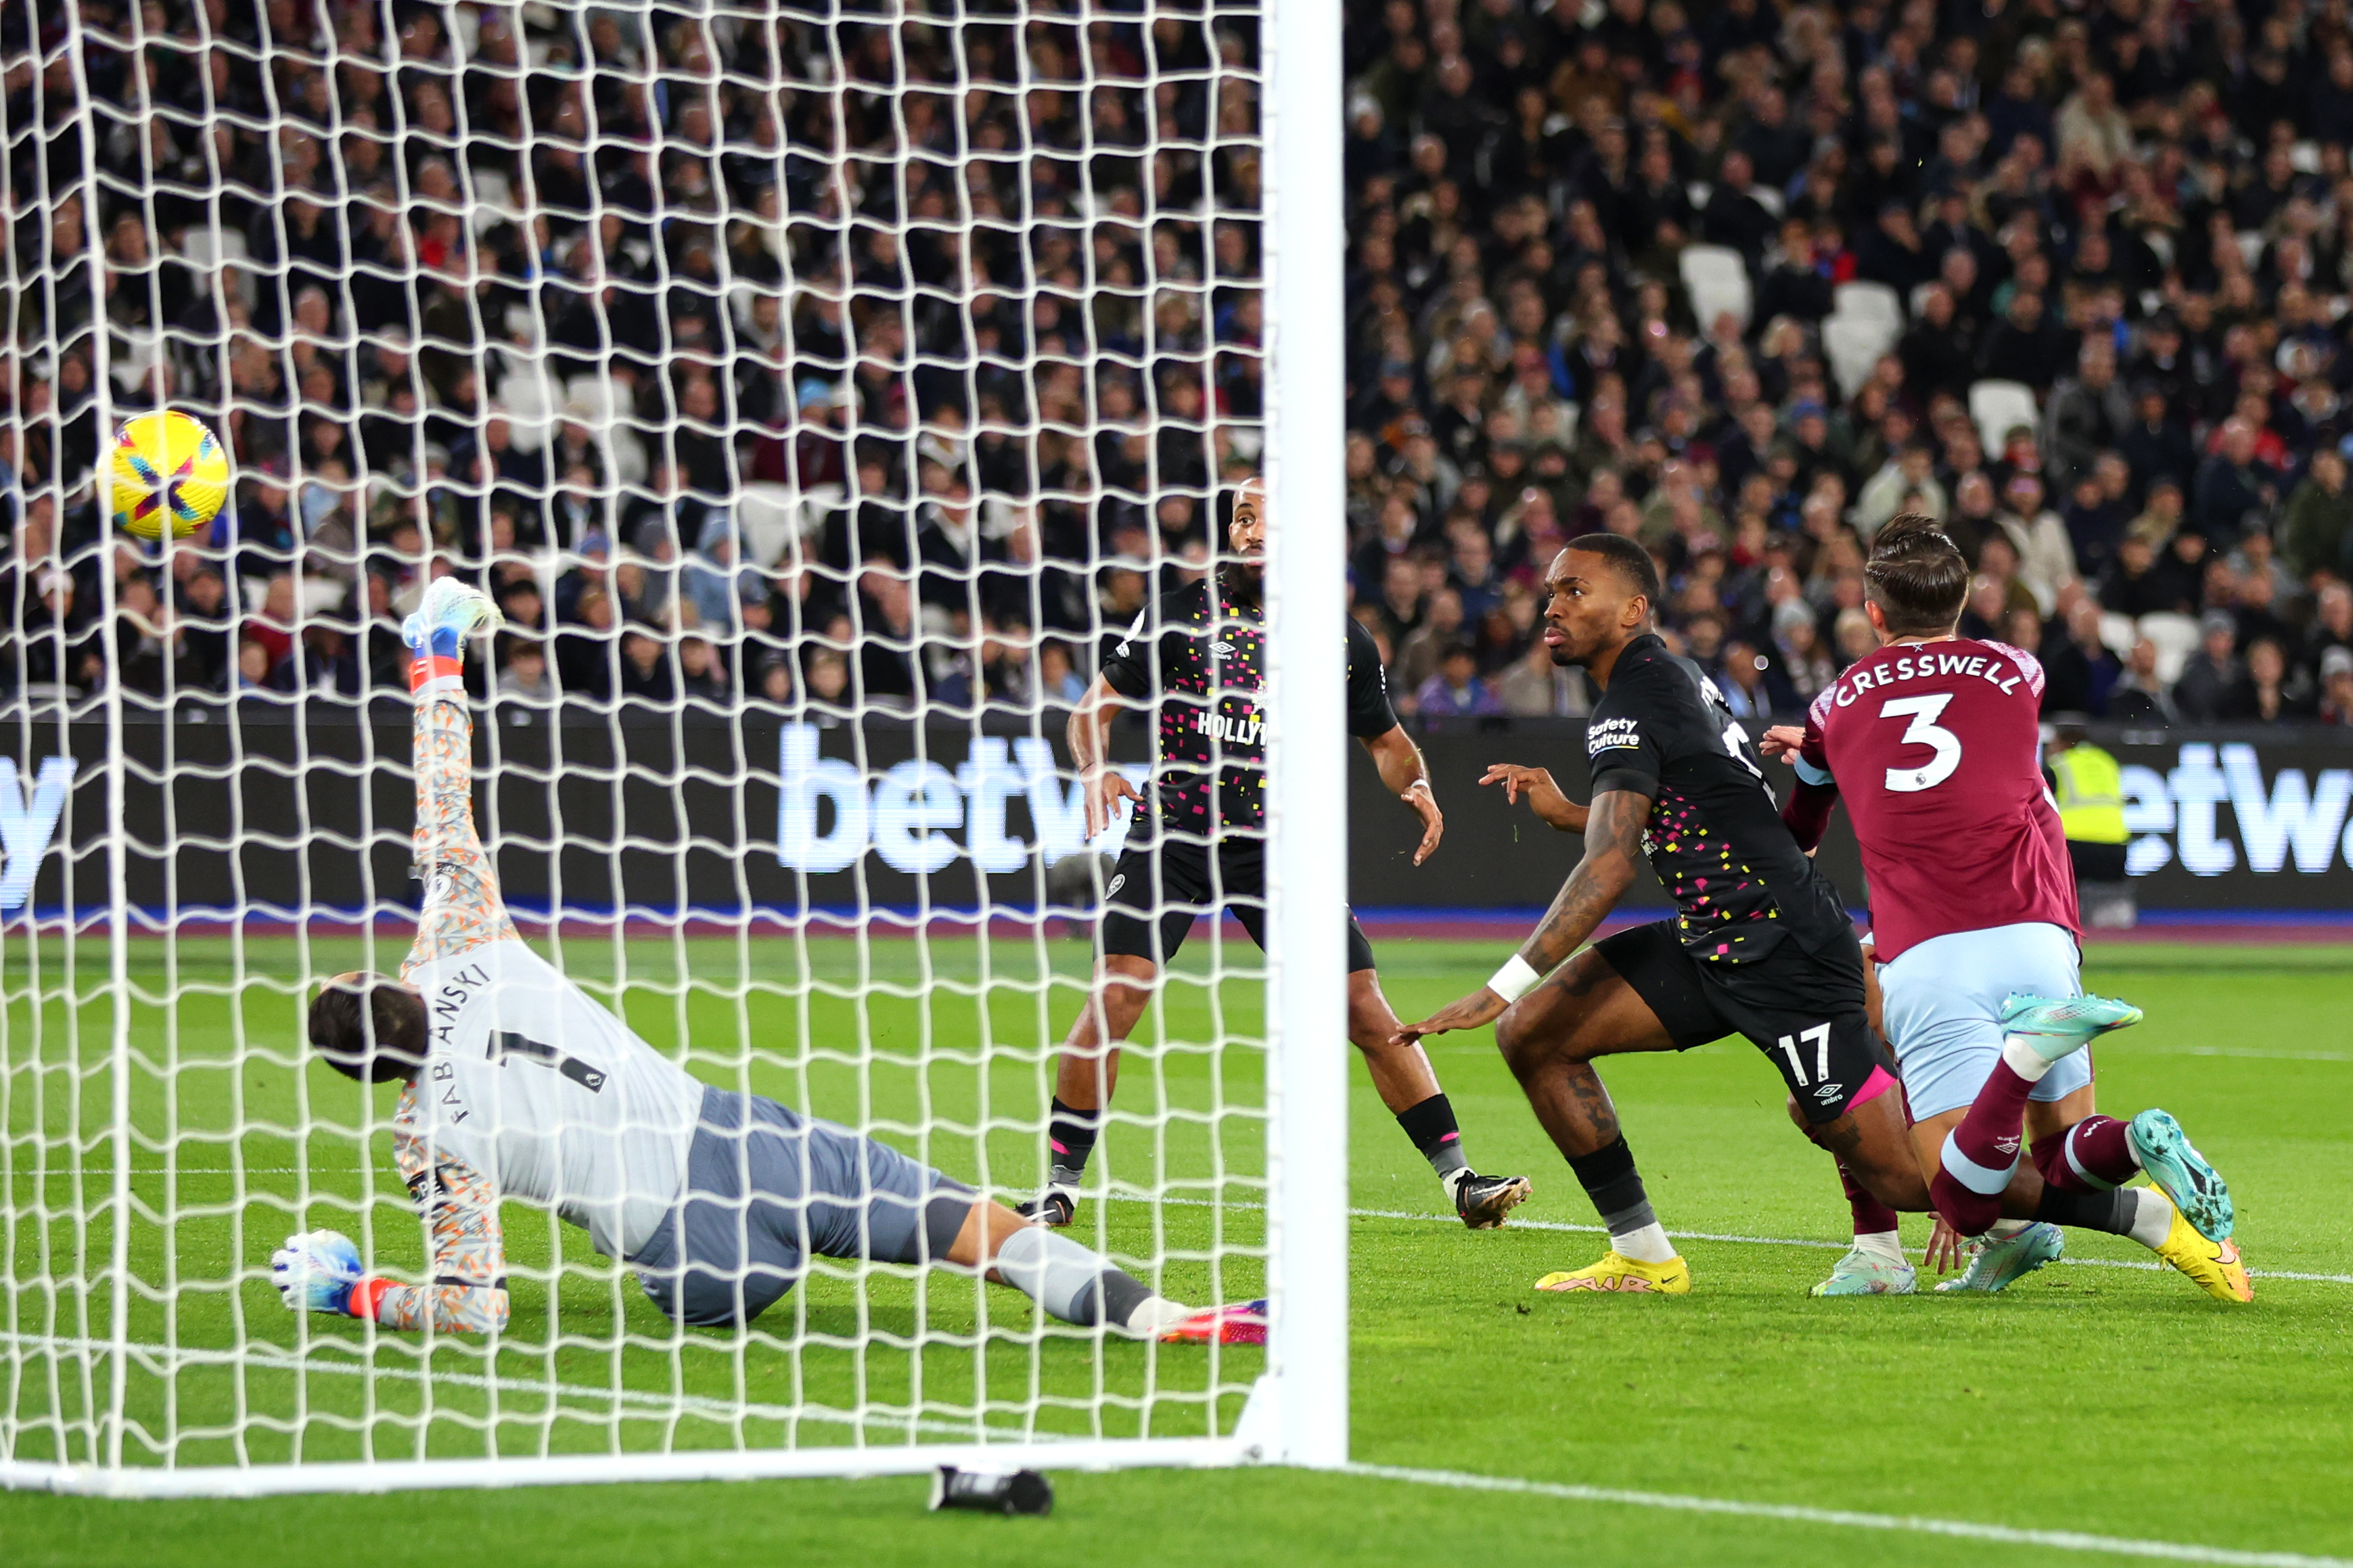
(1932, 748)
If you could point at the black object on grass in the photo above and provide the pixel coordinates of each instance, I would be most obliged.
(992, 1491)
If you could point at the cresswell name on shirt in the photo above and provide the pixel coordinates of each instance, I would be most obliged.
(459, 988)
(1995, 672)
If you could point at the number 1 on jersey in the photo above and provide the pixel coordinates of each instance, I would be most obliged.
(1923, 730)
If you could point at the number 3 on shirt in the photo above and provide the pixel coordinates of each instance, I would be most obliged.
(1924, 732)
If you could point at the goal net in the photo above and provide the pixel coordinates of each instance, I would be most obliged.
(818, 390)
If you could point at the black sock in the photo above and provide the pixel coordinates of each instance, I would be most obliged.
(1071, 1136)
(1610, 1180)
(2111, 1211)
(1432, 1128)
(1113, 1299)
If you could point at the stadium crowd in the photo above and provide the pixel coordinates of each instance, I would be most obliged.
(749, 352)
(787, 356)
(1744, 281)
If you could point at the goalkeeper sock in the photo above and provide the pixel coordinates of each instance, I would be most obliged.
(1432, 1128)
(1610, 1180)
(1076, 1286)
(1071, 1134)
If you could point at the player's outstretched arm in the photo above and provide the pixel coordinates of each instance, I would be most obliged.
(1806, 813)
(462, 906)
(1546, 798)
(1613, 846)
(1088, 734)
(322, 1272)
(1407, 776)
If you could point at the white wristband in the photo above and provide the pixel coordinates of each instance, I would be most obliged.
(1515, 979)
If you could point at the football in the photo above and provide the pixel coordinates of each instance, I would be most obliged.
(170, 470)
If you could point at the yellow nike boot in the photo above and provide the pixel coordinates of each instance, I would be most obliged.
(1616, 1271)
(2214, 1265)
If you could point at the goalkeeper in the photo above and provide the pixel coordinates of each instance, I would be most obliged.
(515, 1085)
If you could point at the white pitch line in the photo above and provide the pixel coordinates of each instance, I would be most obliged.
(2005, 1535)
(275, 1358)
(1550, 1224)
(2136, 1049)
(1817, 1245)
(1966, 1529)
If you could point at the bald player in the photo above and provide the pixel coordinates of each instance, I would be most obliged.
(1760, 944)
(1196, 659)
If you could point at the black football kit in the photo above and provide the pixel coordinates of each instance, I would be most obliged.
(1760, 944)
(1198, 841)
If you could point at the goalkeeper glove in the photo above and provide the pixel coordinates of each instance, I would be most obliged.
(320, 1272)
(452, 610)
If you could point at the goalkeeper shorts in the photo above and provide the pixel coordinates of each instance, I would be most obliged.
(767, 1187)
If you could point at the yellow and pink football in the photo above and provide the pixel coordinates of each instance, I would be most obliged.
(170, 470)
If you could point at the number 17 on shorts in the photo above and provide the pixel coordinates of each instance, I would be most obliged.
(1810, 1045)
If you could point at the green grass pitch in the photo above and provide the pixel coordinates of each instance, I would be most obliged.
(2118, 1402)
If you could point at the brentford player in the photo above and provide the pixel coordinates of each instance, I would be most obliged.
(1759, 945)
(1198, 845)
(1931, 742)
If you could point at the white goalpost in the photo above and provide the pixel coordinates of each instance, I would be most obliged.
(821, 391)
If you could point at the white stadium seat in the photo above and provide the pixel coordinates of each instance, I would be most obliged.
(2175, 637)
(1854, 345)
(590, 398)
(766, 518)
(2117, 632)
(1868, 303)
(1996, 405)
(494, 202)
(1716, 278)
(211, 250)
(527, 397)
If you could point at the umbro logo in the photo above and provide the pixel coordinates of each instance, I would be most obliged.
(2005, 1145)
(1116, 884)
(1222, 649)
(1829, 1092)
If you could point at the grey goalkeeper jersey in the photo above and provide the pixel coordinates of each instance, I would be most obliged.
(550, 1095)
